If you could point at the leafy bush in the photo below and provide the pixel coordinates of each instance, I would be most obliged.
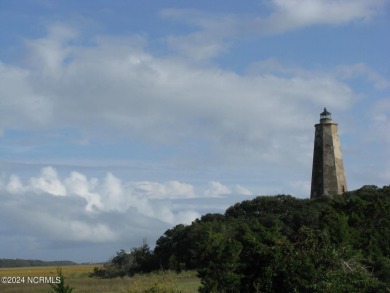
(139, 260)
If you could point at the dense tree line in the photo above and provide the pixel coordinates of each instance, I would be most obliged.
(278, 244)
(16, 263)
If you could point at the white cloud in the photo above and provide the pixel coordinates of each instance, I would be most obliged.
(216, 188)
(331, 11)
(90, 210)
(114, 194)
(293, 14)
(122, 89)
(95, 198)
(101, 210)
(109, 194)
(48, 182)
(78, 184)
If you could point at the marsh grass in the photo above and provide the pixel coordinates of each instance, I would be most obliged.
(77, 278)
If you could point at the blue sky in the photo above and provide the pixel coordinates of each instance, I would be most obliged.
(120, 119)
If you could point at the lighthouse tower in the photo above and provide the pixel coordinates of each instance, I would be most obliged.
(328, 176)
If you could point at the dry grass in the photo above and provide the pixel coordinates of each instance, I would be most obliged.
(77, 278)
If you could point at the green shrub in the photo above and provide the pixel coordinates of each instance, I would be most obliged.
(60, 287)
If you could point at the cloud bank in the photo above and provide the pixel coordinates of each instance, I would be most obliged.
(82, 209)
(116, 87)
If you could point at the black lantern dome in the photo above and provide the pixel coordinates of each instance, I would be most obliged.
(326, 117)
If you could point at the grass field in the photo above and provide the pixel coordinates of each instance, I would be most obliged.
(77, 278)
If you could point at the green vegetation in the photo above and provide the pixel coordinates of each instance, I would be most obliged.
(139, 260)
(277, 244)
(60, 287)
(165, 282)
(77, 277)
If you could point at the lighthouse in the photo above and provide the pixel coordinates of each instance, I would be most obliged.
(328, 177)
